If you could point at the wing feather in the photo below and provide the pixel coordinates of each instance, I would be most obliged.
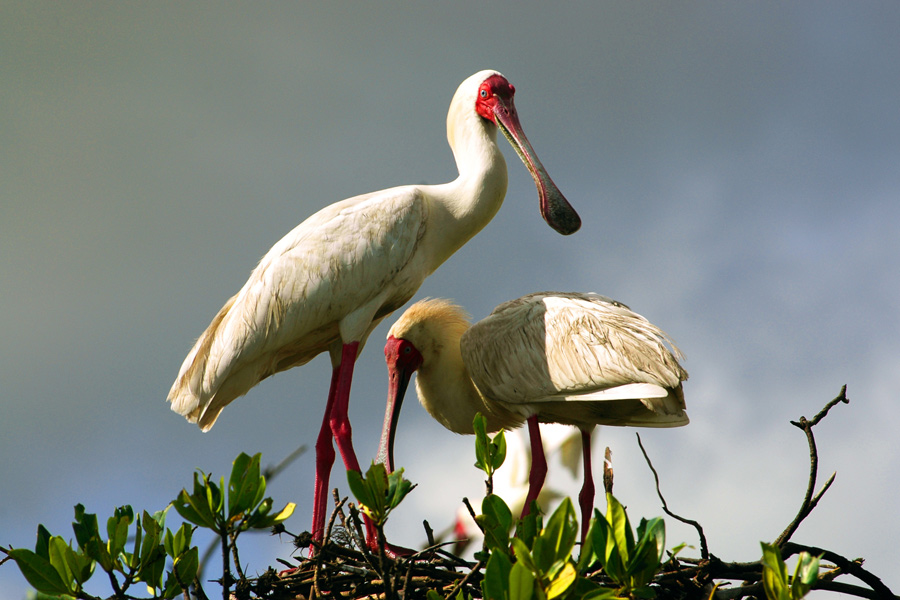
(551, 345)
(341, 258)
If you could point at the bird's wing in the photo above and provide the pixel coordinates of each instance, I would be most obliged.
(553, 346)
(340, 259)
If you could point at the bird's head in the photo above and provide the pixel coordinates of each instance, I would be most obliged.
(493, 102)
(417, 340)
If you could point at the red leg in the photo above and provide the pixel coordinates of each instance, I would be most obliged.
(538, 464)
(339, 418)
(340, 423)
(324, 461)
(586, 496)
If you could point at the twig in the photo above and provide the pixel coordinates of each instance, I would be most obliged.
(704, 549)
(354, 528)
(199, 592)
(607, 471)
(409, 567)
(810, 500)
(236, 557)
(271, 473)
(383, 569)
(463, 581)
(841, 397)
(429, 532)
(853, 567)
(338, 505)
(472, 512)
(226, 569)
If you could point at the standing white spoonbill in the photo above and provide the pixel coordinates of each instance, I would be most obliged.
(571, 358)
(330, 281)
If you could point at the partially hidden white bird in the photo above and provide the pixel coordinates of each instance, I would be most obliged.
(572, 358)
(510, 481)
(328, 283)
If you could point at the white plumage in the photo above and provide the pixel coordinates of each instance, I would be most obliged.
(571, 358)
(328, 283)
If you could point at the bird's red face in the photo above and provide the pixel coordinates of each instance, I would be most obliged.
(494, 102)
(495, 95)
(402, 355)
(403, 359)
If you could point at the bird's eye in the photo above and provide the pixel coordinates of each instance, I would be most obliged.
(484, 93)
(407, 349)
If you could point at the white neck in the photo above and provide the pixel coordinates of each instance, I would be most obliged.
(460, 209)
(449, 395)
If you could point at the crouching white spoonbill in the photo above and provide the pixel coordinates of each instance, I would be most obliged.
(571, 358)
(330, 281)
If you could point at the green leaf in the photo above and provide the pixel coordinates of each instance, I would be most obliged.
(556, 540)
(41, 548)
(806, 573)
(521, 582)
(398, 488)
(496, 577)
(376, 478)
(358, 487)
(96, 550)
(498, 450)
(481, 443)
(244, 485)
(377, 493)
(263, 520)
(495, 519)
(604, 547)
(179, 542)
(82, 566)
(202, 506)
(562, 581)
(134, 559)
(587, 556)
(85, 526)
(152, 557)
(58, 548)
(39, 572)
(602, 593)
(117, 528)
(774, 573)
(621, 528)
(528, 527)
(648, 553)
(185, 569)
(523, 555)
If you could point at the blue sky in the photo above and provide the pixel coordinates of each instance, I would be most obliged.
(735, 166)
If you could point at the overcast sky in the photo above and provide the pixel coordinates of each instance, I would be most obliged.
(736, 167)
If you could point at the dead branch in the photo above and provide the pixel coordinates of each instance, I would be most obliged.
(607, 471)
(851, 567)
(810, 500)
(704, 548)
(272, 472)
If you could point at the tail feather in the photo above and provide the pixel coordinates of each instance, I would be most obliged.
(188, 396)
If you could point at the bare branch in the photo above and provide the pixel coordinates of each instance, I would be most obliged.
(853, 567)
(472, 512)
(607, 471)
(810, 500)
(704, 549)
(271, 473)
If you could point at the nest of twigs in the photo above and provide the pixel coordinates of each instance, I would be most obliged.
(344, 567)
